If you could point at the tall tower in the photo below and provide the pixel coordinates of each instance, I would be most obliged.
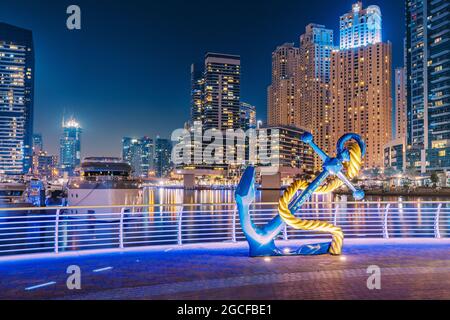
(16, 99)
(361, 98)
(281, 93)
(400, 103)
(360, 27)
(428, 91)
(197, 95)
(222, 91)
(70, 147)
(139, 153)
(312, 84)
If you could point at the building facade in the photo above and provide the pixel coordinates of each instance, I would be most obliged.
(140, 154)
(312, 84)
(163, 155)
(70, 147)
(360, 27)
(281, 92)
(428, 84)
(400, 122)
(222, 91)
(16, 99)
(395, 154)
(248, 116)
(361, 97)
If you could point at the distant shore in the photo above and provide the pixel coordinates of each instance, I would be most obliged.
(419, 192)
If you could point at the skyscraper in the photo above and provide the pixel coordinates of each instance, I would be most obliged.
(361, 98)
(312, 84)
(16, 99)
(281, 92)
(197, 94)
(139, 153)
(248, 116)
(428, 84)
(360, 27)
(400, 103)
(163, 154)
(222, 91)
(38, 144)
(70, 147)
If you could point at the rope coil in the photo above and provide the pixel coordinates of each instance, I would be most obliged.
(352, 169)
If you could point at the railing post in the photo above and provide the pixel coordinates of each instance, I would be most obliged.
(385, 224)
(285, 233)
(180, 225)
(56, 246)
(233, 232)
(437, 231)
(336, 211)
(122, 213)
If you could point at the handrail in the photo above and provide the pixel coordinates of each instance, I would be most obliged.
(64, 229)
(159, 205)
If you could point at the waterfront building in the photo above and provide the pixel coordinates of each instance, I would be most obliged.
(292, 152)
(45, 165)
(197, 94)
(360, 27)
(16, 99)
(428, 84)
(400, 103)
(70, 147)
(361, 97)
(312, 84)
(140, 154)
(281, 93)
(163, 155)
(38, 144)
(395, 154)
(222, 91)
(247, 116)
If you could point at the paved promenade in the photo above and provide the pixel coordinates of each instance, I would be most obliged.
(410, 269)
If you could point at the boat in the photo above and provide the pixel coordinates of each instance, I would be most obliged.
(14, 195)
(106, 182)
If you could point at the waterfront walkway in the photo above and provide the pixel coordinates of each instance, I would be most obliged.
(410, 269)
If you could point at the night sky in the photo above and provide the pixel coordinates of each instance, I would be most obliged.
(127, 72)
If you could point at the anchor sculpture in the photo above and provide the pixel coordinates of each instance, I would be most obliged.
(336, 172)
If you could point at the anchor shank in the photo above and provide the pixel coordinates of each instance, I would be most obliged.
(307, 193)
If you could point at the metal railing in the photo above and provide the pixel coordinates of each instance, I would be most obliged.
(61, 229)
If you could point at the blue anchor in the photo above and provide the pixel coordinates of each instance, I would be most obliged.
(261, 239)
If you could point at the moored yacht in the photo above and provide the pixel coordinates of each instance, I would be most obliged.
(103, 182)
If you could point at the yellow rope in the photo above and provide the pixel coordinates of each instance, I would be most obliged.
(352, 169)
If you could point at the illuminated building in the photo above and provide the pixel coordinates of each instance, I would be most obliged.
(281, 92)
(163, 155)
(292, 152)
(44, 165)
(197, 94)
(38, 144)
(70, 147)
(312, 84)
(222, 91)
(247, 116)
(16, 99)
(395, 154)
(360, 27)
(428, 84)
(400, 103)
(361, 97)
(139, 153)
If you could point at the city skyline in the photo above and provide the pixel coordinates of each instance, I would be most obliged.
(101, 109)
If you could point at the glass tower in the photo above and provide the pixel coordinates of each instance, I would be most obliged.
(139, 153)
(360, 27)
(70, 147)
(16, 99)
(163, 154)
(428, 84)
